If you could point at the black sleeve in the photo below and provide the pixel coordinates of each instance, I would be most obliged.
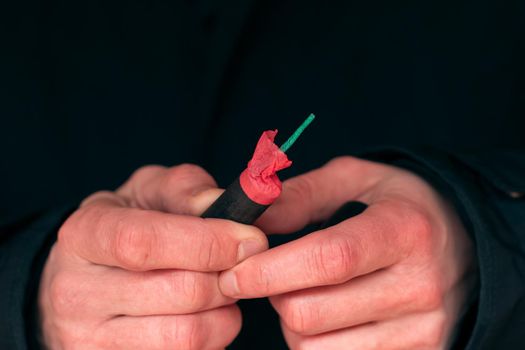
(488, 190)
(24, 246)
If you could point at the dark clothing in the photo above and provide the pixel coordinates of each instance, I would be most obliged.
(91, 90)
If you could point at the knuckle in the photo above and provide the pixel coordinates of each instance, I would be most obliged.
(183, 172)
(189, 169)
(184, 333)
(261, 279)
(211, 252)
(302, 188)
(187, 181)
(295, 319)
(192, 287)
(413, 229)
(64, 236)
(421, 228)
(138, 180)
(343, 162)
(67, 233)
(299, 315)
(347, 164)
(64, 297)
(330, 261)
(132, 246)
(430, 296)
(146, 172)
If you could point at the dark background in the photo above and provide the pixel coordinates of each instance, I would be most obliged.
(92, 90)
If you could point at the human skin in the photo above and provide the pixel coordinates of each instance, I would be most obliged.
(135, 269)
(138, 269)
(396, 276)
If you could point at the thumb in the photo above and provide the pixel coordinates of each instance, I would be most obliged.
(314, 196)
(185, 189)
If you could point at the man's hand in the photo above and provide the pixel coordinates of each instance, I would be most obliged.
(394, 277)
(133, 270)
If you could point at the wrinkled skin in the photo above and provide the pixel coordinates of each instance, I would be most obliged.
(133, 269)
(136, 269)
(396, 276)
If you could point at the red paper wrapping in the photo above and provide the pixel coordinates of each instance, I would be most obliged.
(259, 180)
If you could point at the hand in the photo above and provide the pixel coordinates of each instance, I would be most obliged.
(394, 277)
(132, 269)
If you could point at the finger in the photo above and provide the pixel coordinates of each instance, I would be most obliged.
(213, 329)
(113, 291)
(374, 297)
(316, 195)
(104, 233)
(416, 331)
(375, 239)
(183, 189)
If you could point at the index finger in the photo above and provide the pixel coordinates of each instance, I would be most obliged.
(182, 189)
(365, 243)
(314, 196)
(104, 232)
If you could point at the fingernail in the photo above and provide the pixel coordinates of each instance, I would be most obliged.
(248, 248)
(228, 284)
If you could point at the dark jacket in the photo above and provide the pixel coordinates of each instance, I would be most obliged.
(91, 90)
